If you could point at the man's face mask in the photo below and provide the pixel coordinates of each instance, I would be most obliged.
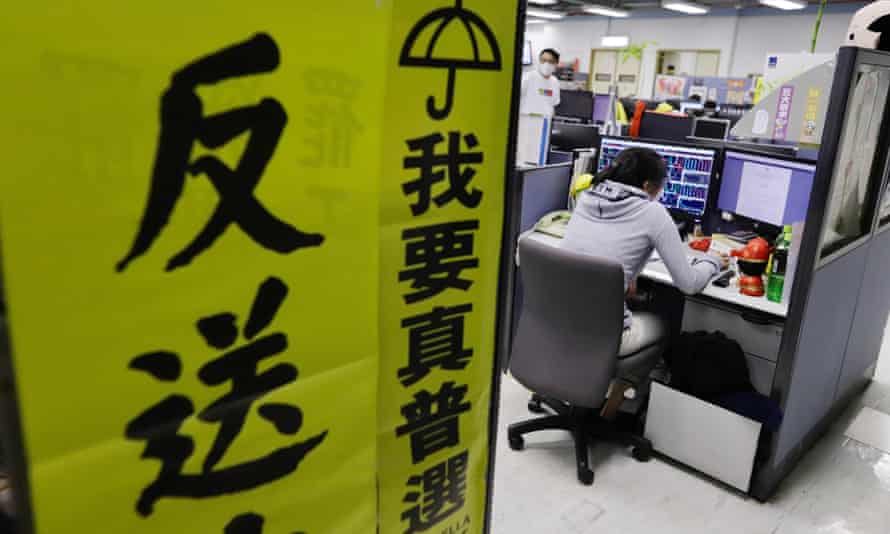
(546, 69)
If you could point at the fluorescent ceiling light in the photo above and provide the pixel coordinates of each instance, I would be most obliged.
(615, 41)
(786, 5)
(690, 8)
(607, 11)
(543, 13)
(544, 2)
(535, 21)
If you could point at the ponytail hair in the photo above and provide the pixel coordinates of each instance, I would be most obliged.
(634, 167)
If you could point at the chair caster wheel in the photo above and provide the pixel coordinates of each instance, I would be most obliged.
(534, 405)
(642, 453)
(516, 443)
(585, 477)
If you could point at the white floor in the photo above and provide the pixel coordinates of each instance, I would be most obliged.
(841, 486)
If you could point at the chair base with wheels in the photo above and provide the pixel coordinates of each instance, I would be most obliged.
(585, 424)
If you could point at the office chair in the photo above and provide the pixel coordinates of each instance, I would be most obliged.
(567, 348)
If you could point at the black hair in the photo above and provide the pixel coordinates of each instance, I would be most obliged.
(634, 167)
(550, 51)
(695, 98)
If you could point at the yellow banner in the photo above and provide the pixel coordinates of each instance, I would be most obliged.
(232, 238)
(450, 74)
(186, 204)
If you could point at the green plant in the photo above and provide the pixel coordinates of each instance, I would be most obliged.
(818, 24)
(635, 51)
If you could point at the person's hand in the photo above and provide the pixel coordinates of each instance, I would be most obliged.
(722, 259)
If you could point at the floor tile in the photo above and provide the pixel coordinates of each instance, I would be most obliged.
(871, 428)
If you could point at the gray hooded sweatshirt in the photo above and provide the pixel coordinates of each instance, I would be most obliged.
(617, 221)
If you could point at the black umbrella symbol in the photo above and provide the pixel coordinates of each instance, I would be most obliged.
(473, 24)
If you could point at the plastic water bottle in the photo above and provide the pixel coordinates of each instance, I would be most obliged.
(775, 284)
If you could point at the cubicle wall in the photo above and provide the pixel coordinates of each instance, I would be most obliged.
(867, 333)
(534, 192)
(840, 300)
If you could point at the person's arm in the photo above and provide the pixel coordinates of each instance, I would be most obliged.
(556, 97)
(689, 277)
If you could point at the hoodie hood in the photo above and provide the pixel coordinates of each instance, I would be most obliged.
(612, 200)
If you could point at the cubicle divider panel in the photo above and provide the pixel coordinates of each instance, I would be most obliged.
(870, 320)
(799, 363)
(824, 332)
(542, 190)
(506, 296)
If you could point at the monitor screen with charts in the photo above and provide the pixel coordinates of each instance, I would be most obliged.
(764, 188)
(689, 171)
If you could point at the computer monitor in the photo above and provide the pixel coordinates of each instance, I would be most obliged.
(667, 126)
(600, 108)
(559, 156)
(686, 107)
(569, 136)
(708, 128)
(575, 105)
(769, 189)
(544, 190)
(689, 171)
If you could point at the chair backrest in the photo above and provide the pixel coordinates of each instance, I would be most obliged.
(569, 333)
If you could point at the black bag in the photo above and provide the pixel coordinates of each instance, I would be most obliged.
(708, 365)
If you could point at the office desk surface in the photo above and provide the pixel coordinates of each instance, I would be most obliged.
(657, 272)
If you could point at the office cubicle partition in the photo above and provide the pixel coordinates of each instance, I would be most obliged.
(840, 298)
(533, 193)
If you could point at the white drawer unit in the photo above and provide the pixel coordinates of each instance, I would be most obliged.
(758, 339)
(706, 437)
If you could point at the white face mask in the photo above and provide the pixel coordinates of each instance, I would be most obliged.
(546, 69)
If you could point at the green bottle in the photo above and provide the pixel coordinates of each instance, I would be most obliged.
(775, 284)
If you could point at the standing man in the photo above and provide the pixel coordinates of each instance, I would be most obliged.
(540, 88)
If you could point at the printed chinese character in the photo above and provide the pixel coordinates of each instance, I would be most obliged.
(434, 167)
(436, 339)
(247, 524)
(183, 123)
(432, 420)
(159, 425)
(330, 122)
(436, 255)
(437, 494)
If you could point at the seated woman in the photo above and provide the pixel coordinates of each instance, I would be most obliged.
(619, 218)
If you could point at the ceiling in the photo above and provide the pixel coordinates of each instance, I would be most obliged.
(574, 7)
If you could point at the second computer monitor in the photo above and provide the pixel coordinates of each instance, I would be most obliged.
(765, 188)
(667, 126)
(689, 171)
(569, 136)
(575, 105)
(601, 108)
(707, 128)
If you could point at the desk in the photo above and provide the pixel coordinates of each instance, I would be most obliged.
(656, 271)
